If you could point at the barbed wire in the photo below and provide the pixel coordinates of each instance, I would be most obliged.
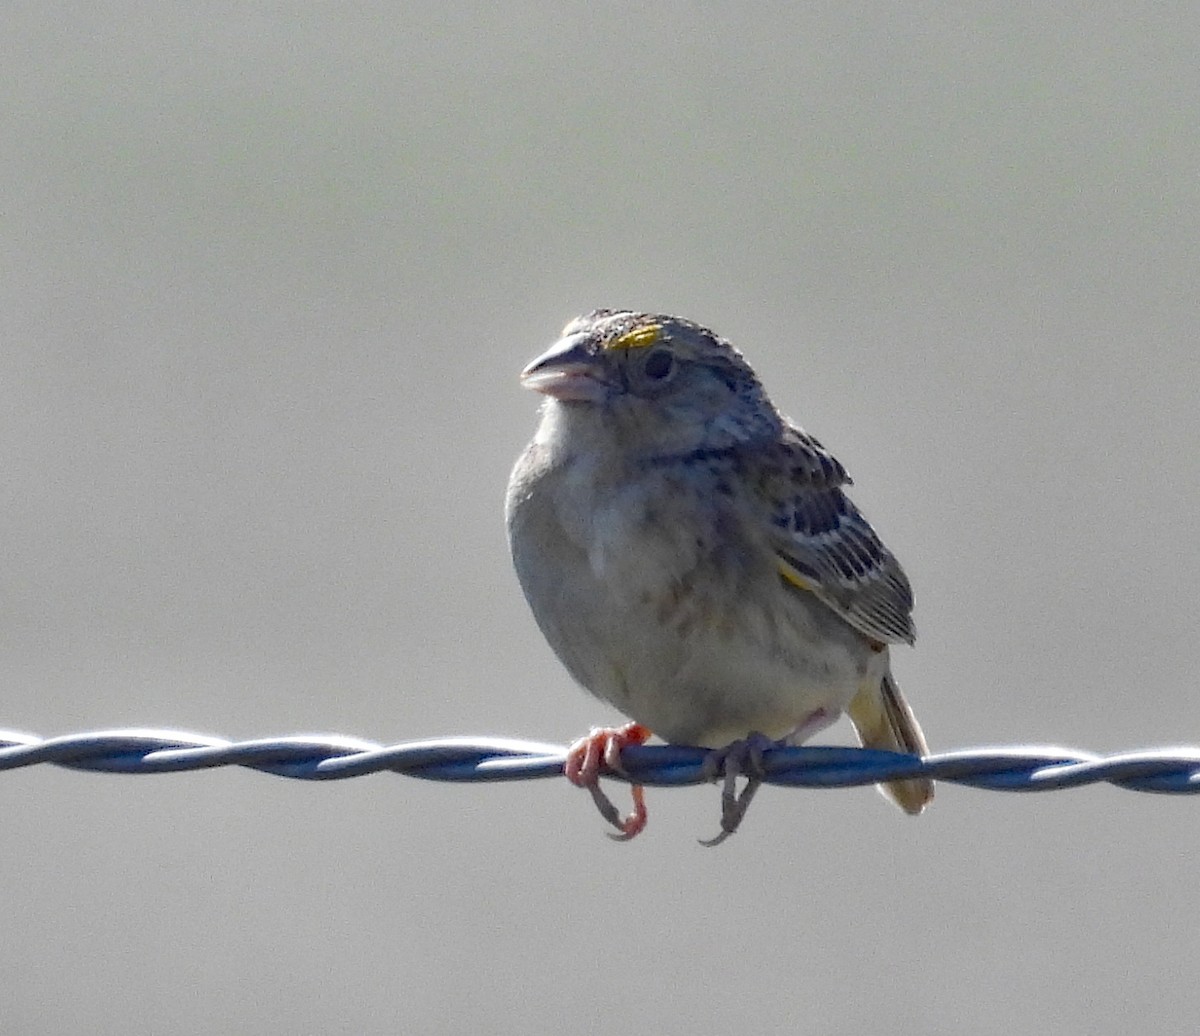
(324, 757)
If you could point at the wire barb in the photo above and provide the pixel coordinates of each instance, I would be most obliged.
(324, 757)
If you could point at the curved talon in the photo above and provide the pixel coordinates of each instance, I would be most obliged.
(603, 745)
(738, 758)
(733, 809)
(633, 824)
(606, 807)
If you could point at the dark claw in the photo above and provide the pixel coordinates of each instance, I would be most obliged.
(738, 758)
(733, 809)
(630, 826)
(606, 807)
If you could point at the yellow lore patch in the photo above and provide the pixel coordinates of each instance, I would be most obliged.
(638, 338)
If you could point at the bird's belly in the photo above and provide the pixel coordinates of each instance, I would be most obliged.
(683, 632)
(726, 689)
(706, 676)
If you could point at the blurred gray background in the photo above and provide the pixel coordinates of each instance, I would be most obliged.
(268, 275)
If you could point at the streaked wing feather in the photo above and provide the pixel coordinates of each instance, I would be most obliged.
(827, 547)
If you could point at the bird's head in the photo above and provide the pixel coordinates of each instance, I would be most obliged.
(660, 382)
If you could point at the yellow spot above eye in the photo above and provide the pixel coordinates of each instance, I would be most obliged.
(638, 338)
(790, 575)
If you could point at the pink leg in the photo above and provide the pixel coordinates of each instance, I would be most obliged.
(602, 748)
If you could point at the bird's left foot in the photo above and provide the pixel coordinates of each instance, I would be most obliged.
(602, 748)
(738, 758)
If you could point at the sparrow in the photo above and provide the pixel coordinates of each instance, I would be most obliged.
(692, 558)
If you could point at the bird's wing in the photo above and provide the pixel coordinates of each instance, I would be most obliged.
(825, 546)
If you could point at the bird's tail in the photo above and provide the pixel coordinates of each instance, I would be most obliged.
(883, 720)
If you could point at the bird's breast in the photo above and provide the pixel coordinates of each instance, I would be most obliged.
(660, 600)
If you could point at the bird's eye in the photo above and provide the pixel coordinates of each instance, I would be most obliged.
(659, 365)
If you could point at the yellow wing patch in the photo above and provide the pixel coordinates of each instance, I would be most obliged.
(638, 338)
(794, 578)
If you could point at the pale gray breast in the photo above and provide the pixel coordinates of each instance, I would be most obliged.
(659, 595)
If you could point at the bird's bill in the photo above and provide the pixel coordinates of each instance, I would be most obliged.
(568, 370)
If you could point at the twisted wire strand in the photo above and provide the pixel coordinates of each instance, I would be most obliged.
(324, 757)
